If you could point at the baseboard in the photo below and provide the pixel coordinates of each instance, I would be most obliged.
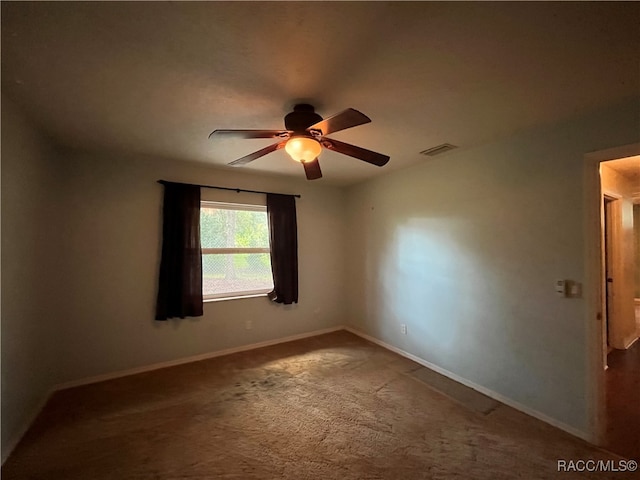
(148, 368)
(13, 442)
(193, 358)
(489, 393)
(630, 341)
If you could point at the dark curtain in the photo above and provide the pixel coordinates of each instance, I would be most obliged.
(180, 283)
(283, 231)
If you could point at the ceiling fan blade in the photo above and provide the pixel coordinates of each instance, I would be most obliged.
(252, 156)
(312, 169)
(363, 154)
(250, 133)
(340, 121)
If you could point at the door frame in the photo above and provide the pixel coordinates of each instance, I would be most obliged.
(608, 240)
(593, 290)
(614, 260)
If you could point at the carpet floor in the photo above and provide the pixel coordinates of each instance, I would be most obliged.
(328, 407)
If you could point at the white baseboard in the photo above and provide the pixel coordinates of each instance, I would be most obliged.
(489, 393)
(193, 358)
(147, 368)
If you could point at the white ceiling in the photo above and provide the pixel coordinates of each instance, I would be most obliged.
(158, 77)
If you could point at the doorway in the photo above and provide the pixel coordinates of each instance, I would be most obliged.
(595, 284)
(619, 179)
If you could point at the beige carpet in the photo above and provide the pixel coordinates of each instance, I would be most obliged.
(329, 407)
(467, 397)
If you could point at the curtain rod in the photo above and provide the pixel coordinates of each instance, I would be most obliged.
(164, 182)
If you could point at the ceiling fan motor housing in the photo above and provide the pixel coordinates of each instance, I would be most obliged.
(302, 117)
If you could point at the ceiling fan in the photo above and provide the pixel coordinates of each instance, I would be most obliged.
(305, 135)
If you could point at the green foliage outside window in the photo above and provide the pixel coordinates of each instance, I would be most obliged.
(226, 228)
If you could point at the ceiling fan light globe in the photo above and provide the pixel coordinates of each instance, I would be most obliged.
(303, 149)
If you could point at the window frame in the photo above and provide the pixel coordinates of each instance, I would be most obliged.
(234, 250)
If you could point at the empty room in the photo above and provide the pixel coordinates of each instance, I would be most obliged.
(320, 240)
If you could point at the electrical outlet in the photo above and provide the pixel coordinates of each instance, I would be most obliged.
(403, 328)
(248, 324)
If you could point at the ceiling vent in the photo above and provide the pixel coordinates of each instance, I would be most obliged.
(433, 151)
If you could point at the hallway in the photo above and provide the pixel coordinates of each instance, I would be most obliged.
(623, 402)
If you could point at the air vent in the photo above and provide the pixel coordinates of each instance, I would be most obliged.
(433, 151)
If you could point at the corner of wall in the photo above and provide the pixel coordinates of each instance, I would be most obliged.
(28, 354)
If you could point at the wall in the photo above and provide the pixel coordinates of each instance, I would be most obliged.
(622, 325)
(29, 249)
(464, 249)
(112, 234)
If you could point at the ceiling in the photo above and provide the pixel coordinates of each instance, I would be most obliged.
(629, 168)
(158, 77)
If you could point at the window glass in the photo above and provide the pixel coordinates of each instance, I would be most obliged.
(235, 250)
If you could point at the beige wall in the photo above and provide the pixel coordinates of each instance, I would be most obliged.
(29, 250)
(465, 248)
(622, 326)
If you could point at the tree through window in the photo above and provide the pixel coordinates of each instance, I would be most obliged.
(235, 250)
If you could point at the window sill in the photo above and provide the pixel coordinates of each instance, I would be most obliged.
(235, 297)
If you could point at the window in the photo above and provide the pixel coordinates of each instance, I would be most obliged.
(236, 260)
